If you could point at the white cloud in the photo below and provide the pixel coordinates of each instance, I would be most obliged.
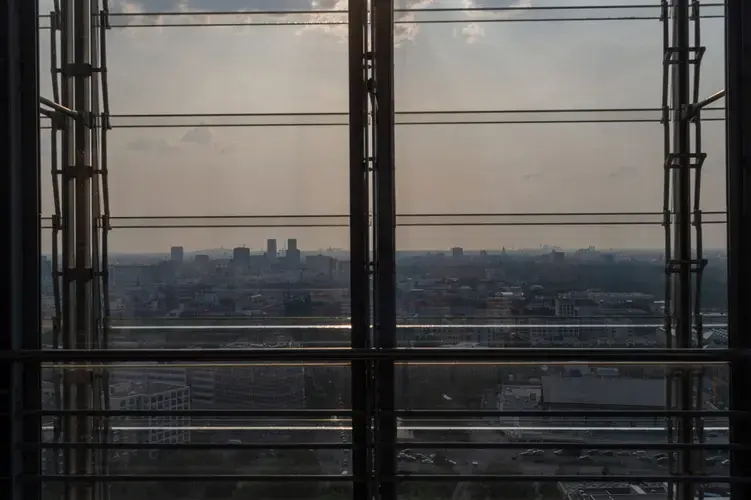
(472, 33)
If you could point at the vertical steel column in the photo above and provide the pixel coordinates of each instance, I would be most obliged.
(20, 195)
(78, 228)
(693, 116)
(385, 246)
(667, 223)
(738, 147)
(682, 207)
(359, 230)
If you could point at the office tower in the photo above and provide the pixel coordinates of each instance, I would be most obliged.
(271, 249)
(457, 252)
(177, 254)
(201, 259)
(293, 253)
(241, 256)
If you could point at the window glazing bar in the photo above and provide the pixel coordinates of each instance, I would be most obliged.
(738, 149)
(385, 242)
(20, 384)
(359, 231)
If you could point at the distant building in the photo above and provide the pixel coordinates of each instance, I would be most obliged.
(293, 253)
(612, 491)
(565, 307)
(602, 393)
(201, 259)
(177, 254)
(150, 396)
(457, 252)
(271, 250)
(241, 256)
(260, 387)
(557, 257)
(321, 265)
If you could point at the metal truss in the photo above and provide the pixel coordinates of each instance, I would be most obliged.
(79, 116)
(682, 220)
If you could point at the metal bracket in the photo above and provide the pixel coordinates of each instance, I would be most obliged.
(697, 51)
(675, 265)
(697, 159)
(55, 20)
(78, 172)
(76, 274)
(78, 69)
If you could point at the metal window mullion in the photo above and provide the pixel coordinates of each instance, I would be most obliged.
(104, 25)
(20, 196)
(359, 249)
(698, 154)
(67, 150)
(681, 182)
(738, 185)
(667, 225)
(56, 227)
(384, 209)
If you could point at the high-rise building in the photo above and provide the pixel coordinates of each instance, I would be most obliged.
(293, 253)
(271, 248)
(457, 252)
(202, 259)
(177, 254)
(241, 256)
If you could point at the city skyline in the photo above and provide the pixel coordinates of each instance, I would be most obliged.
(213, 169)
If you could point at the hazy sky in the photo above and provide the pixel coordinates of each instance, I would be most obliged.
(440, 169)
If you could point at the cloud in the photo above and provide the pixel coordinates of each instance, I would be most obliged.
(321, 19)
(198, 135)
(475, 31)
(472, 33)
(202, 5)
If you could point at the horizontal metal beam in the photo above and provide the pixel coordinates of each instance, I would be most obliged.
(411, 414)
(186, 478)
(625, 414)
(301, 413)
(509, 354)
(297, 445)
(552, 445)
(453, 445)
(404, 477)
(554, 478)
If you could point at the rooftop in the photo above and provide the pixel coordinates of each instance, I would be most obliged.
(129, 389)
(590, 390)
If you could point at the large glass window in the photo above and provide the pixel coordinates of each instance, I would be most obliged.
(375, 250)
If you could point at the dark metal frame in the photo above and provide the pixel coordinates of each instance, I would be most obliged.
(384, 210)
(738, 130)
(20, 195)
(374, 355)
(359, 227)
